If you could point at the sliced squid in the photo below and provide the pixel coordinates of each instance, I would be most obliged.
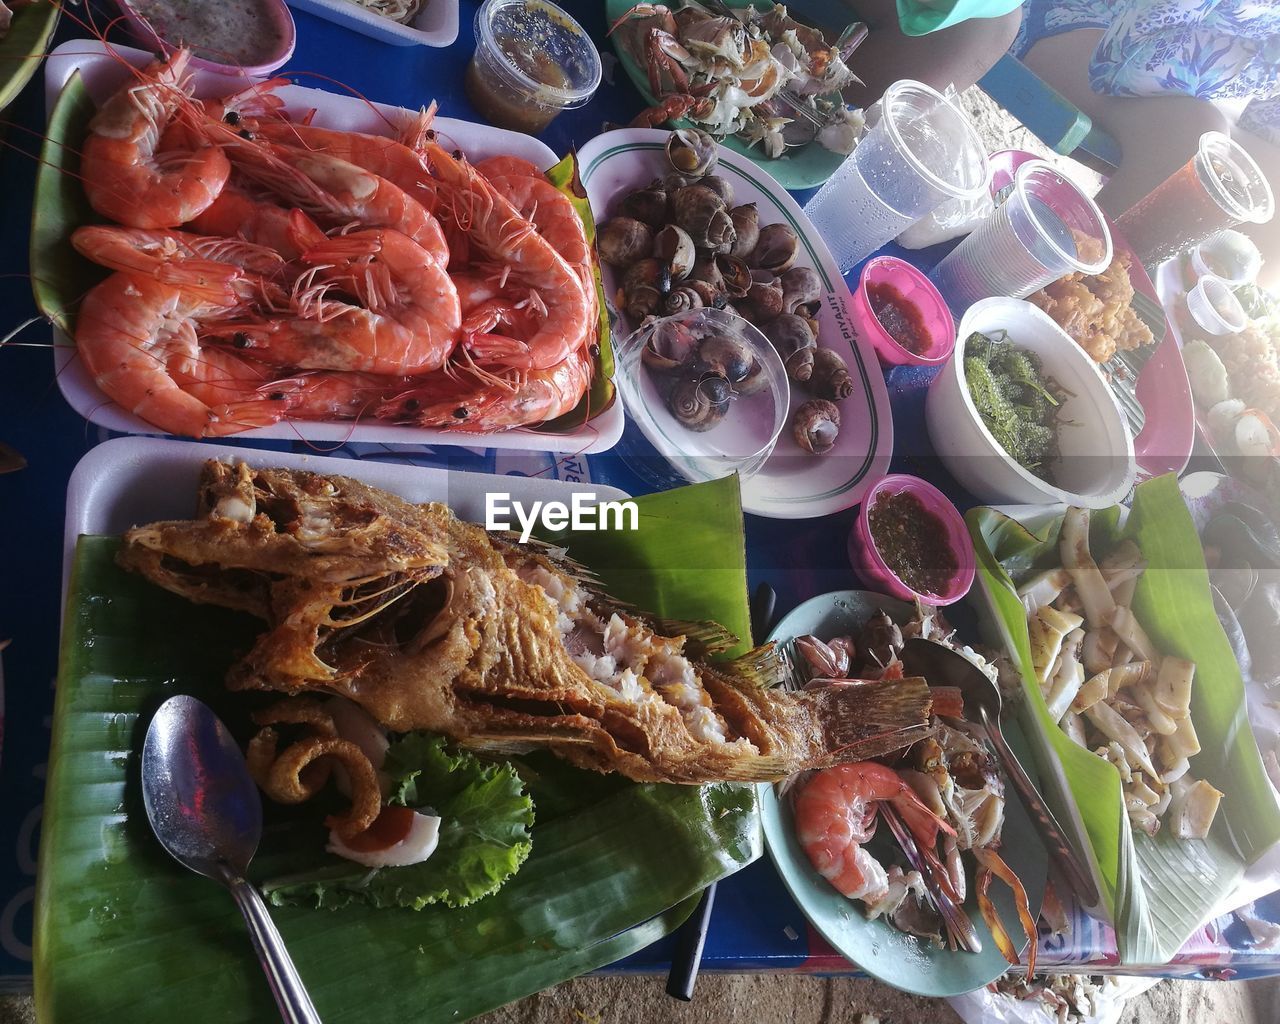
(1043, 589)
(1073, 547)
(1194, 806)
(1173, 686)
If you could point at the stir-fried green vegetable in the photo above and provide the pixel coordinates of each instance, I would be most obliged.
(1015, 401)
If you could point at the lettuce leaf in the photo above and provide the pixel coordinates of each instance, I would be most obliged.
(484, 835)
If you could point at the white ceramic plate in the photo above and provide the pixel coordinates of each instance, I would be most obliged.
(793, 484)
(132, 480)
(436, 24)
(103, 69)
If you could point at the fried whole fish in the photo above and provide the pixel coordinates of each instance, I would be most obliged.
(429, 622)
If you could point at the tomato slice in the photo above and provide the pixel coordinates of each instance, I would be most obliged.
(391, 826)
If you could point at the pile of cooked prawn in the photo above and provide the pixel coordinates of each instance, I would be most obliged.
(267, 269)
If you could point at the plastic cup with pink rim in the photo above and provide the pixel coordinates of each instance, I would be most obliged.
(919, 306)
(871, 565)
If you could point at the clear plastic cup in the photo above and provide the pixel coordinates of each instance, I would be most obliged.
(921, 151)
(1045, 229)
(1220, 187)
(531, 61)
(1215, 308)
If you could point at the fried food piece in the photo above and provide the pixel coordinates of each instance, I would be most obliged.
(502, 648)
(1096, 310)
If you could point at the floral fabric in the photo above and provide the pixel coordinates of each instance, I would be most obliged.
(1210, 49)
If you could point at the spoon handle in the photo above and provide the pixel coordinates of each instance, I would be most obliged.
(1074, 874)
(291, 995)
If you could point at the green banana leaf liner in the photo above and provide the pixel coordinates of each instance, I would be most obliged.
(124, 933)
(1157, 891)
(24, 46)
(60, 276)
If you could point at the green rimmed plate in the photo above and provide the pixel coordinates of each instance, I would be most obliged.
(792, 484)
(805, 167)
(878, 948)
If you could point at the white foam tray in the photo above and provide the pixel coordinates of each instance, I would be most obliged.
(132, 480)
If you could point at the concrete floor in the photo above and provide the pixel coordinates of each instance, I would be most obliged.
(789, 999)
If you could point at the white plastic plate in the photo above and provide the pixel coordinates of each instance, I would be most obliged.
(103, 69)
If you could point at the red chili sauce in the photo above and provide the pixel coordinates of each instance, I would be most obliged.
(902, 320)
(913, 542)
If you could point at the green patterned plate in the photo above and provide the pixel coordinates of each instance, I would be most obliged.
(885, 953)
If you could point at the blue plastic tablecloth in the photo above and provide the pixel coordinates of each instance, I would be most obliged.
(755, 925)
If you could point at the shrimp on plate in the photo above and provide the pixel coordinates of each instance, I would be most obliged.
(478, 403)
(505, 237)
(127, 177)
(406, 322)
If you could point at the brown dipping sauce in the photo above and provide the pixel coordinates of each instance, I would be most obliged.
(501, 102)
(901, 320)
(913, 542)
(237, 32)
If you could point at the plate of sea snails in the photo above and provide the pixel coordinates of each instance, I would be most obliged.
(682, 224)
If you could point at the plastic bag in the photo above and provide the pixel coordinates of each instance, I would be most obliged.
(983, 1006)
(952, 219)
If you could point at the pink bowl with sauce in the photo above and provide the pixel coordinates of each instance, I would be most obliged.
(275, 12)
(869, 562)
(926, 306)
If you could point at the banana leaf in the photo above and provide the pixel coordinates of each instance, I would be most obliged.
(601, 395)
(1157, 891)
(24, 46)
(59, 274)
(123, 932)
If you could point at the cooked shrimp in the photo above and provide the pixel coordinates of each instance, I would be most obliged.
(384, 157)
(835, 815)
(334, 191)
(153, 250)
(406, 324)
(135, 333)
(498, 230)
(126, 177)
(459, 401)
(236, 214)
(495, 166)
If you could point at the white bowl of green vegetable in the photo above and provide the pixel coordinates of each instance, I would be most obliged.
(1021, 414)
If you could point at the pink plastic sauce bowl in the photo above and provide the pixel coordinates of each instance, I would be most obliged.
(875, 572)
(277, 10)
(916, 290)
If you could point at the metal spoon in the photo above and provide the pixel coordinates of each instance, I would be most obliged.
(205, 810)
(943, 666)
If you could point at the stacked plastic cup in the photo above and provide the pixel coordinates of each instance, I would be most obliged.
(921, 151)
(1045, 229)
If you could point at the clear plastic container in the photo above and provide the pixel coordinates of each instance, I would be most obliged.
(1214, 306)
(531, 61)
(1045, 229)
(1230, 255)
(738, 435)
(922, 151)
